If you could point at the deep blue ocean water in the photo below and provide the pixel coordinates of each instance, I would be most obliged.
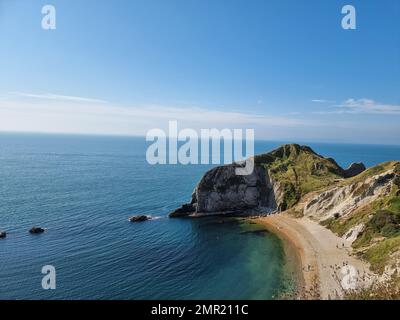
(83, 190)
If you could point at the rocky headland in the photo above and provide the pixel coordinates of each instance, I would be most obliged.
(278, 181)
(358, 208)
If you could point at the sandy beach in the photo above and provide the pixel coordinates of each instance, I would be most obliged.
(321, 256)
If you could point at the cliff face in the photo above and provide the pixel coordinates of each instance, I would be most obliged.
(221, 191)
(279, 180)
(343, 200)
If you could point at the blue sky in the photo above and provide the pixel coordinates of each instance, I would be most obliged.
(283, 67)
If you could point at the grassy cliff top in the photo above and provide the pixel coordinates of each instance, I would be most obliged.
(299, 170)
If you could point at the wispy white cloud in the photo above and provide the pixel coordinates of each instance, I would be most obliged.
(51, 96)
(70, 114)
(322, 101)
(369, 106)
(362, 106)
(29, 113)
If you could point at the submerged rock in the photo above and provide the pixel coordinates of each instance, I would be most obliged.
(3, 234)
(36, 230)
(140, 218)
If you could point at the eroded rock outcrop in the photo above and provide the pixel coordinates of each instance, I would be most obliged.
(354, 170)
(222, 191)
(351, 235)
(343, 200)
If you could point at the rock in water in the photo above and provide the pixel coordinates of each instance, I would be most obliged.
(139, 218)
(36, 230)
(354, 170)
(3, 234)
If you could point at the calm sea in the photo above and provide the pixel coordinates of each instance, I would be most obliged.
(84, 188)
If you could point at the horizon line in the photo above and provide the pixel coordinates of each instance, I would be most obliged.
(116, 135)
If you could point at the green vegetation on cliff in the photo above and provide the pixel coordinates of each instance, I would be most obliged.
(380, 237)
(299, 170)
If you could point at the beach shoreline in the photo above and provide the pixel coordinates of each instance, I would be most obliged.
(319, 256)
(293, 265)
(295, 255)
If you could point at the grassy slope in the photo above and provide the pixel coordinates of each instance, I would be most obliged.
(381, 236)
(299, 170)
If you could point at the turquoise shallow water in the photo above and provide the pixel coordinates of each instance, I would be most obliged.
(83, 189)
